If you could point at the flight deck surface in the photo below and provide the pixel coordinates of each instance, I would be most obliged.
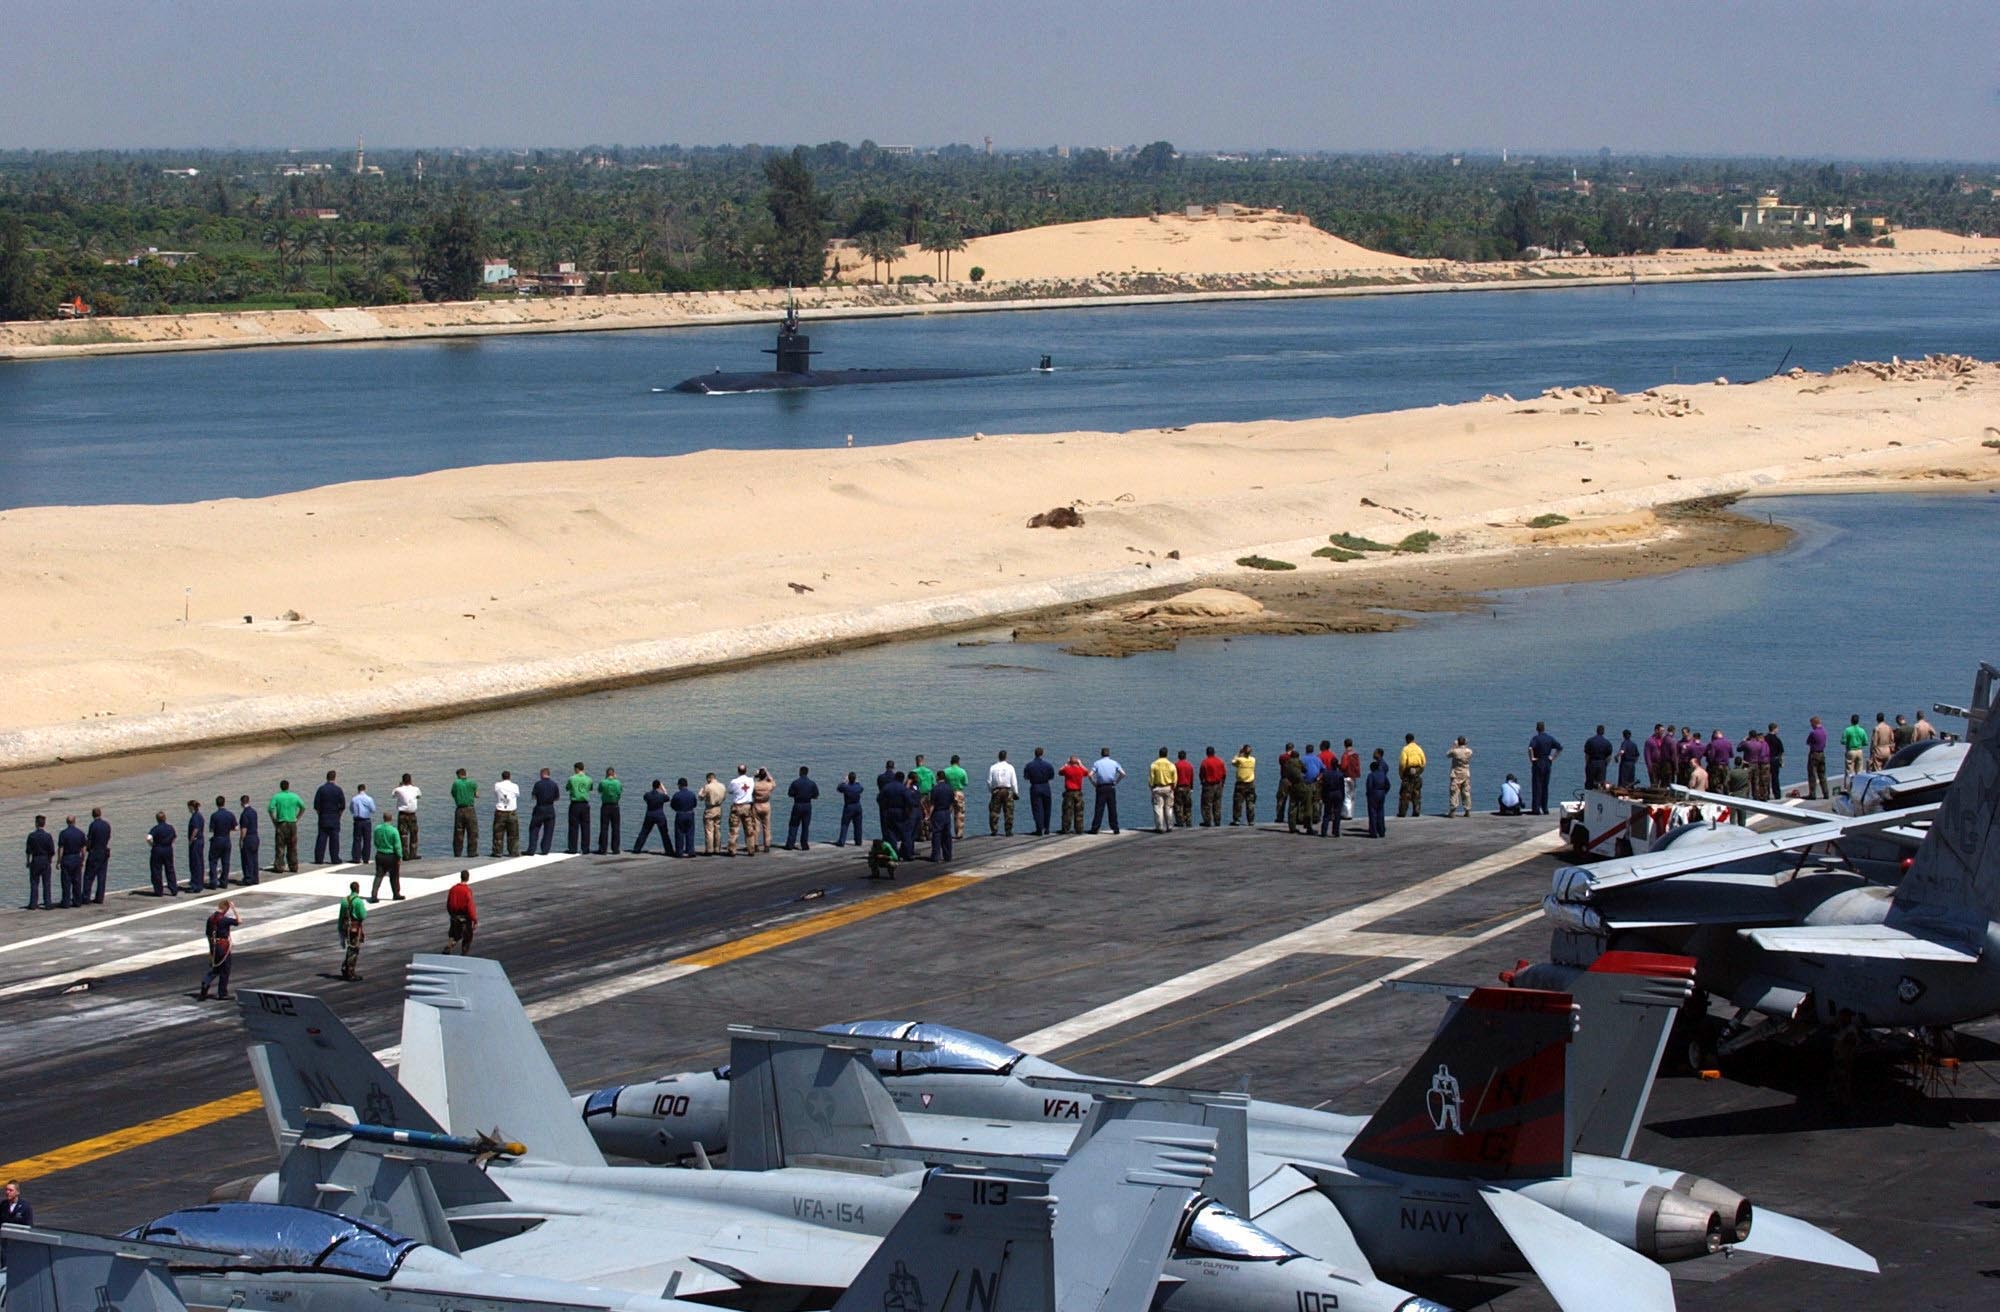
(1222, 958)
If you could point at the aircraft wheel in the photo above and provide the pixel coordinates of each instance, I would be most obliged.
(1579, 841)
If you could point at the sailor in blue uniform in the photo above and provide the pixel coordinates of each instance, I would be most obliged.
(161, 857)
(888, 784)
(69, 862)
(942, 795)
(850, 809)
(798, 828)
(683, 804)
(221, 835)
(248, 841)
(656, 800)
(41, 861)
(329, 804)
(1040, 774)
(96, 855)
(197, 848)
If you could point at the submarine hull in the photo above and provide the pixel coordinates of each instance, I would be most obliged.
(781, 381)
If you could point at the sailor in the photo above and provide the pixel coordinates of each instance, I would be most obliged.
(1105, 772)
(222, 923)
(1040, 772)
(923, 779)
(248, 843)
(1816, 760)
(1884, 742)
(1292, 791)
(329, 805)
(41, 850)
(69, 862)
(507, 814)
(1073, 773)
(160, 857)
(388, 861)
(1459, 778)
(1628, 759)
(851, 792)
(96, 856)
(1332, 792)
(882, 859)
(1543, 749)
(1305, 797)
(1410, 763)
(461, 916)
(353, 912)
(683, 804)
(1243, 805)
(1922, 731)
(1717, 756)
(886, 783)
(1378, 795)
(655, 800)
(464, 815)
(577, 789)
(361, 813)
(1757, 757)
(1183, 789)
(956, 776)
(1350, 765)
(1212, 771)
(1284, 789)
(1160, 784)
(1002, 787)
(761, 789)
(741, 789)
(221, 832)
(407, 796)
(1597, 752)
(1657, 750)
(941, 827)
(1774, 747)
(1688, 754)
(285, 807)
(610, 793)
(197, 841)
(798, 826)
(892, 801)
(713, 795)
(542, 819)
(1510, 796)
(1854, 742)
(1903, 733)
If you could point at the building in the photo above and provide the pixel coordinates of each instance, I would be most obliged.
(154, 255)
(321, 215)
(1769, 214)
(565, 281)
(497, 272)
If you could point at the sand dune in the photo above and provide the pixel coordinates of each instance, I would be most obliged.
(379, 600)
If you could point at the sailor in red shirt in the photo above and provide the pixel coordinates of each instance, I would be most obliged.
(1073, 774)
(1183, 790)
(1326, 756)
(1284, 793)
(1213, 771)
(464, 915)
(1350, 761)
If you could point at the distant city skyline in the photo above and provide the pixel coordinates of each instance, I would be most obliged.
(1848, 79)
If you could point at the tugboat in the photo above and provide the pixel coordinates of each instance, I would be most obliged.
(794, 360)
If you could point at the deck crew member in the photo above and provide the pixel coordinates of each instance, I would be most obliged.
(942, 794)
(1292, 791)
(1040, 772)
(285, 807)
(683, 804)
(353, 914)
(610, 797)
(1212, 772)
(850, 791)
(1410, 771)
(1284, 789)
(159, 857)
(14, 1210)
(1854, 741)
(655, 801)
(1332, 793)
(1160, 787)
(542, 819)
(923, 779)
(1659, 772)
(464, 815)
(96, 855)
(954, 774)
(1307, 796)
(1597, 752)
(1105, 772)
(221, 837)
(361, 813)
(248, 842)
(222, 923)
(913, 815)
(1774, 747)
(886, 784)
(1510, 796)
(41, 850)
(407, 796)
(1627, 757)
(388, 861)
(1543, 749)
(329, 805)
(461, 916)
(507, 814)
(1378, 795)
(69, 861)
(1003, 785)
(713, 795)
(197, 841)
(893, 803)
(798, 826)
(1243, 806)
(762, 786)
(1459, 778)
(577, 788)
(1183, 789)
(1884, 742)
(741, 789)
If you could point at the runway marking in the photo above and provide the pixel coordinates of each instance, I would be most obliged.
(194, 1118)
(250, 935)
(174, 904)
(1325, 937)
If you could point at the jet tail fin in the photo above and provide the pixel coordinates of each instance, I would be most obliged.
(1123, 1195)
(1228, 1114)
(60, 1271)
(471, 1054)
(1955, 876)
(967, 1241)
(808, 1098)
(1486, 1100)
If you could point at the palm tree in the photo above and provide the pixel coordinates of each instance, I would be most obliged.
(942, 242)
(881, 248)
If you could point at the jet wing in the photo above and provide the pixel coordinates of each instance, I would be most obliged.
(1884, 942)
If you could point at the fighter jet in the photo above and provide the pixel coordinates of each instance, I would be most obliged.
(1484, 1159)
(1790, 942)
(988, 1240)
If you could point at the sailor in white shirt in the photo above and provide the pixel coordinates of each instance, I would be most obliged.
(507, 814)
(1003, 786)
(741, 814)
(406, 794)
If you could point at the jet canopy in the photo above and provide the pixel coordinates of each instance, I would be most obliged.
(956, 1051)
(1212, 1230)
(275, 1237)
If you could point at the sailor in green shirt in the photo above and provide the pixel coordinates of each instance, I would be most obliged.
(954, 774)
(353, 911)
(609, 789)
(925, 779)
(1854, 739)
(388, 861)
(284, 810)
(464, 820)
(578, 786)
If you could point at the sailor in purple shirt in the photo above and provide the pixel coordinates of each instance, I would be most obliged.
(1720, 752)
(1757, 756)
(1690, 750)
(1658, 753)
(1816, 760)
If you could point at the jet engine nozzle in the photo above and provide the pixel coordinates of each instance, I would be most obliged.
(1664, 1224)
(1676, 1226)
(1732, 1207)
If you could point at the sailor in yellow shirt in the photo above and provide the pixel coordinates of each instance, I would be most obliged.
(1161, 777)
(1244, 806)
(1410, 768)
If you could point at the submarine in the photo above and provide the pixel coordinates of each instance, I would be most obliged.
(794, 359)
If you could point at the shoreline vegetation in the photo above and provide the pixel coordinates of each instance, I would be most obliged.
(645, 563)
(1293, 260)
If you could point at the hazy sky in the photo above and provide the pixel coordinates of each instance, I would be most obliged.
(1856, 78)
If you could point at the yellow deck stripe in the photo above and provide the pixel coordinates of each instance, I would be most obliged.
(85, 1151)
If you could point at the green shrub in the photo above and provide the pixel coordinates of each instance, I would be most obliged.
(977, 273)
(1548, 521)
(1264, 562)
(1354, 542)
(1337, 553)
(1421, 540)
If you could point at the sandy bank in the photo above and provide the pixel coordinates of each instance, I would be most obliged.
(1315, 264)
(382, 601)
